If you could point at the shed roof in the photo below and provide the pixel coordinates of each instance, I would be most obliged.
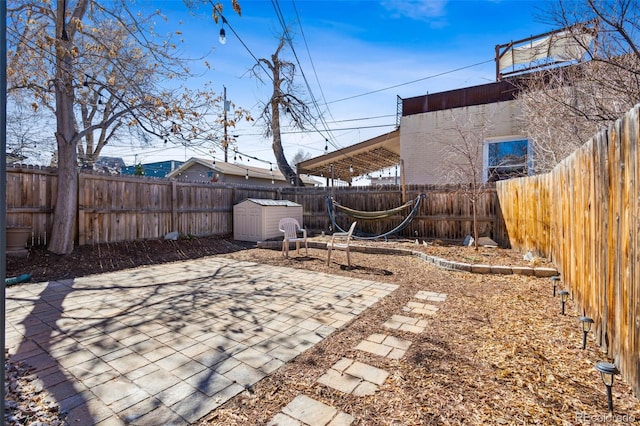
(278, 203)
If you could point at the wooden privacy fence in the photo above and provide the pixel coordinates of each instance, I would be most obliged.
(446, 212)
(128, 208)
(584, 216)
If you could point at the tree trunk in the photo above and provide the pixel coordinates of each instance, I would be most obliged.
(475, 224)
(283, 165)
(64, 216)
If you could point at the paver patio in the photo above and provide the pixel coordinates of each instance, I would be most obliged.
(167, 344)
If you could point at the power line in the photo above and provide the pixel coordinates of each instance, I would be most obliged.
(313, 67)
(410, 82)
(288, 37)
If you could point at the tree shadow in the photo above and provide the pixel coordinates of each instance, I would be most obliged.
(74, 332)
(365, 270)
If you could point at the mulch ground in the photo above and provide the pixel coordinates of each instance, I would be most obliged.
(497, 352)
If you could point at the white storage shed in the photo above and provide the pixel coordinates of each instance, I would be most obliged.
(257, 219)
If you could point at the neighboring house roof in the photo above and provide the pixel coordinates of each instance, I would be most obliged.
(356, 160)
(232, 169)
(157, 169)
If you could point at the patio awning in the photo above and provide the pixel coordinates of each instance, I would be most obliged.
(356, 160)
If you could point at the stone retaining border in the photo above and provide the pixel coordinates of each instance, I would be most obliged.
(539, 272)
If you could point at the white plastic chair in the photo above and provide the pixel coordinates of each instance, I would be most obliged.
(340, 241)
(291, 229)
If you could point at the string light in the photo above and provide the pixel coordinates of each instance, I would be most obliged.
(176, 127)
(247, 175)
(351, 168)
(223, 36)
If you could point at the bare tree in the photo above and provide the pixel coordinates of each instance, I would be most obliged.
(99, 67)
(284, 100)
(563, 107)
(462, 154)
(28, 136)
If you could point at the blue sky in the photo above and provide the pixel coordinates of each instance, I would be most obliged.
(357, 56)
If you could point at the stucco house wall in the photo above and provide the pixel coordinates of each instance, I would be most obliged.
(427, 139)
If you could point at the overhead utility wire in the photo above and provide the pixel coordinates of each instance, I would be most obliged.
(288, 37)
(292, 132)
(224, 21)
(411, 82)
(313, 67)
(49, 55)
(315, 102)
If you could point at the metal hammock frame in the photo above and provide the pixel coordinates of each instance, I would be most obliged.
(359, 214)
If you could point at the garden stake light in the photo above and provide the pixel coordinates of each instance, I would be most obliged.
(607, 371)
(586, 326)
(554, 281)
(564, 295)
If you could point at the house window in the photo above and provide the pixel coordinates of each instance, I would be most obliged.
(506, 158)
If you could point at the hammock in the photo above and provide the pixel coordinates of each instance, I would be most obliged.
(333, 205)
(381, 214)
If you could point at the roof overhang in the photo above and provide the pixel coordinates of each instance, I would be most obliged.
(360, 159)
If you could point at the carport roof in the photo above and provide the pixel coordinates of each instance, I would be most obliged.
(365, 157)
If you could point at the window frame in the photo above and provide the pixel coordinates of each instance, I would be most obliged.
(527, 166)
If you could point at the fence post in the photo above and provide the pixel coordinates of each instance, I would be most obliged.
(174, 206)
(82, 235)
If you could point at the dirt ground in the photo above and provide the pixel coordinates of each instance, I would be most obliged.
(497, 352)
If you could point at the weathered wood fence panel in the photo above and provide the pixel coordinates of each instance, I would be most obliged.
(584, 216)
(446, 213)
(30, 198)
(128, 208)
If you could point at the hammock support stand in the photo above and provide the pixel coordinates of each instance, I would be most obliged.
(372, 215)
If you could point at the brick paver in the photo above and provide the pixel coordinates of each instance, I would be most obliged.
(168, 344)
(384, 345)
(418, 308)
(431, 296)
(308, 411)
(354, 377)
(404, 323)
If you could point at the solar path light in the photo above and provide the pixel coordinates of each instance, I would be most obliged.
(554, 281)
(564, 295)
(586, 326)
(608, 372)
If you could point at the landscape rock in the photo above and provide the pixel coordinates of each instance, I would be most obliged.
(172, 236)
(487, 242)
